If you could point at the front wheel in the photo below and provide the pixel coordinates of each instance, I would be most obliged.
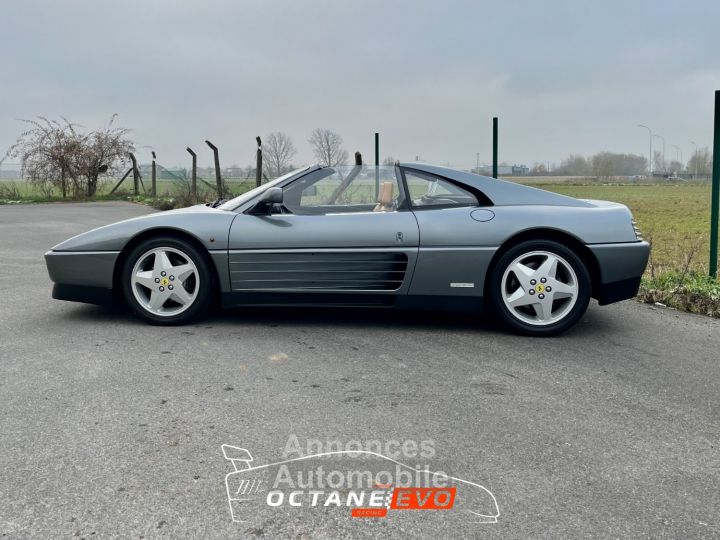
(540, 288)
(167, 281)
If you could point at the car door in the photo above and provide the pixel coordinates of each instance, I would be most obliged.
(331, 237)
(452, 257)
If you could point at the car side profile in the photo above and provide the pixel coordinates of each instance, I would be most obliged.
(409, 236)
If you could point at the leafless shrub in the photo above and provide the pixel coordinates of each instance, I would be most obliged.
(56, 152)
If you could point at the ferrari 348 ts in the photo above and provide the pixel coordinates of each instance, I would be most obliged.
(408, 236)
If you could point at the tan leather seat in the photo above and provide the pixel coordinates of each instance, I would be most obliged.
(385, 197)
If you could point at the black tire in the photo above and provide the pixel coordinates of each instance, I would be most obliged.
(495, 288)
(204, 285)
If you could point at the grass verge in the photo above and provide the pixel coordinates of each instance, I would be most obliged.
(690, 292)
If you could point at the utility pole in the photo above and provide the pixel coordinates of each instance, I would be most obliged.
(477, 163)
(495, 147)
(696, 159)
(650, 160)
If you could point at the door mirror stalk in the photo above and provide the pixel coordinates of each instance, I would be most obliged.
(266, 201)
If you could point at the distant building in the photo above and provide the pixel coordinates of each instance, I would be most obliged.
(503, 170)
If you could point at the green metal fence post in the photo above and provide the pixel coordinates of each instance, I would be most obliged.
(153, 189)
(193, 177)
(136, 174)
(714, 210)
(258, 162)
(377, 165)
(495, 146)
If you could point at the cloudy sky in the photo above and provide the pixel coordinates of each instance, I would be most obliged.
(564, 77)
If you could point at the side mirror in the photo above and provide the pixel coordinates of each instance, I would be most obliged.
(266, 201)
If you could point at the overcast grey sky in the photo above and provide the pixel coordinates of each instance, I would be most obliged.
(563, 76)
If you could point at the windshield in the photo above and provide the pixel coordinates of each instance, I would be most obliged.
(232, 204)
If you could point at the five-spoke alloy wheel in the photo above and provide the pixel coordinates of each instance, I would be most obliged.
(540, 287)
(166, 281)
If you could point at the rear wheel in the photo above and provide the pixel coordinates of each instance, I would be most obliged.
(540, 288)
(167, 281)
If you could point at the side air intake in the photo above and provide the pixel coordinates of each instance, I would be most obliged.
(317, 271)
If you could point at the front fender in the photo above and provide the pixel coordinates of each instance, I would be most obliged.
(208, 225)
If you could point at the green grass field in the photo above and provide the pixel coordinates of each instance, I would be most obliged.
(674, 217)
(12, 189)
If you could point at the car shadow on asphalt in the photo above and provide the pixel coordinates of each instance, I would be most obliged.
(357, 317)
(595, 322)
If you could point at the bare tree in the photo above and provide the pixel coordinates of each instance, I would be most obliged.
(278, 150)
(701, 162)
(104, 150)
(55, 152)
(606, 164)
(574, 164)
(327, 147)
(602, 165)
(658, 162)
(675, 166)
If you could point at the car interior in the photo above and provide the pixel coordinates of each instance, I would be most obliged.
(367, 189)
(332, 191)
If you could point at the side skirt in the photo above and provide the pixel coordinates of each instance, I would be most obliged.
(431, 303)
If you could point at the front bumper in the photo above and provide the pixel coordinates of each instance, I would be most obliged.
(621, 267)
(82, 276)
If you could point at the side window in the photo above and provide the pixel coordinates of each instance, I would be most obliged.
(334, 190)
(430, 191)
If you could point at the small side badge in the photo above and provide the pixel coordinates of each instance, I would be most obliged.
(462, 285)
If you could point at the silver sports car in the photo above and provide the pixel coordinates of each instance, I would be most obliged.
(408, 236)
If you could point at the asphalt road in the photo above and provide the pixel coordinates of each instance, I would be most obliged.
(110, 427)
